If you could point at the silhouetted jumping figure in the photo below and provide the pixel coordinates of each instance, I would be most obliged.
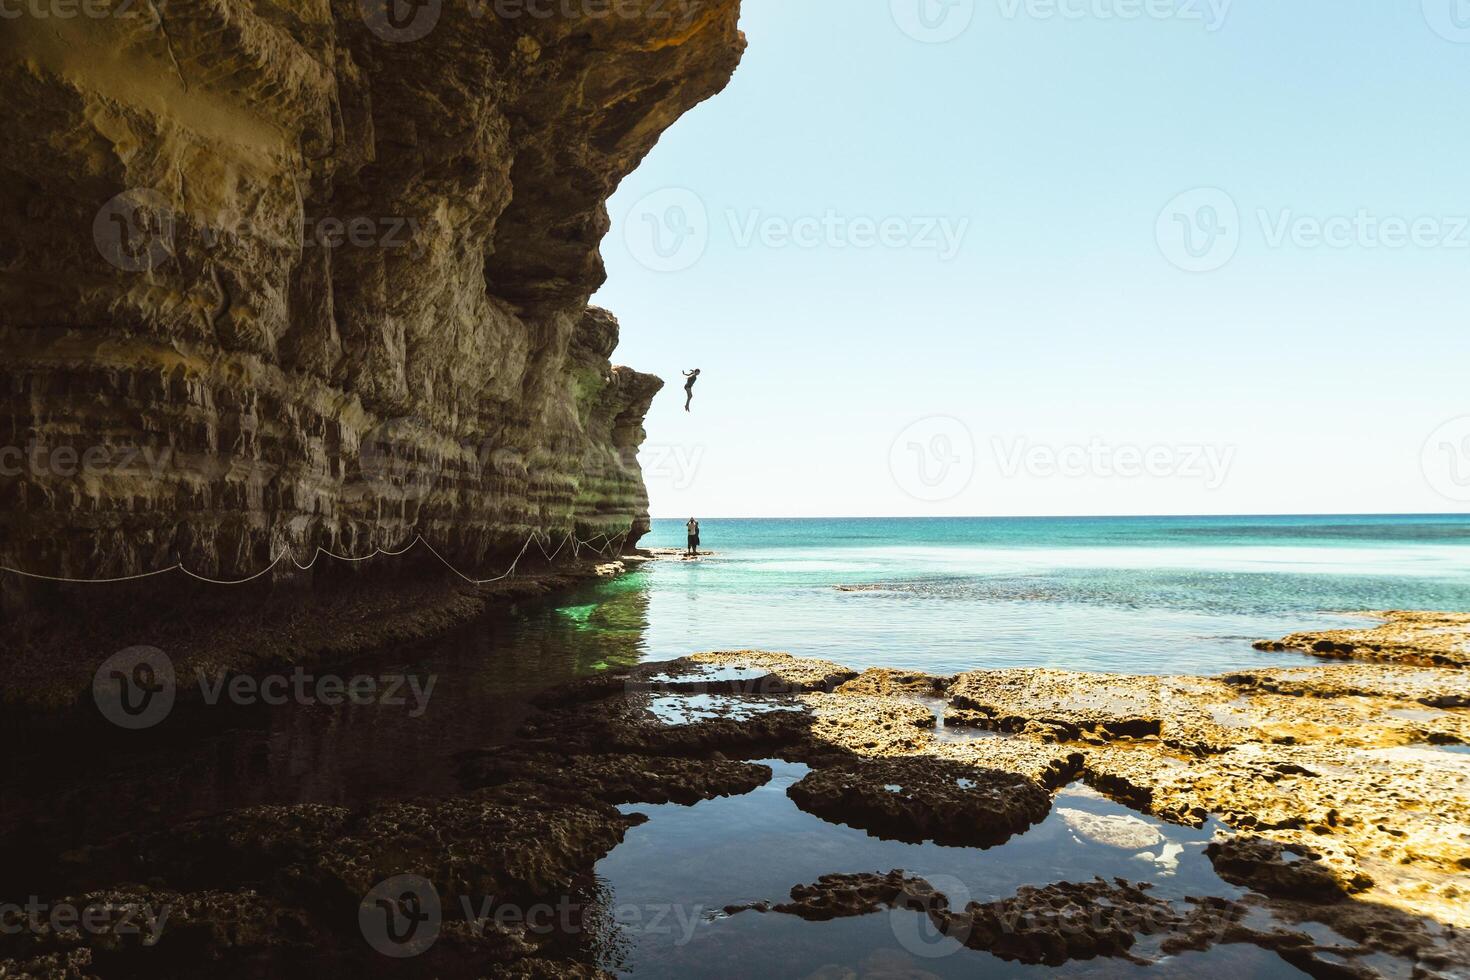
(693, 376)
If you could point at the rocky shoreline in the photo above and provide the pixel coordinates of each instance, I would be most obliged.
(1342, 816)
(1429, 639)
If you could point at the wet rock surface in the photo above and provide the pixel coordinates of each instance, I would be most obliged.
(1327, 775)
(918, 799)
(885, 681)
(792, 673)
(1073, 921)
(1067, 706)
(615, 778)
(307, 868)
(1066, 922)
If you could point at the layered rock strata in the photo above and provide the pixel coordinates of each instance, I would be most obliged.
(280, 277)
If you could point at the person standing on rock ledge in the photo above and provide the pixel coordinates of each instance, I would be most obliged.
(693, 376)
(693, 528)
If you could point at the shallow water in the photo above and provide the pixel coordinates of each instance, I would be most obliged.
(671, 877)
(1134, 595)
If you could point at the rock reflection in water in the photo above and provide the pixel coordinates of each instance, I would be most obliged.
(80, 780)
(755, 848)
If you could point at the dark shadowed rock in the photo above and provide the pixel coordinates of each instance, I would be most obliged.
(1285, 870)
(614, 778)
(924, 799)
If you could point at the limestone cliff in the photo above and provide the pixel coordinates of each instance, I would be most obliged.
(276, 275)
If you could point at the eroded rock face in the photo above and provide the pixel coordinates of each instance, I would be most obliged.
(297, 276)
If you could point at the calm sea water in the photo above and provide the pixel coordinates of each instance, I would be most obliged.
(1143, 595)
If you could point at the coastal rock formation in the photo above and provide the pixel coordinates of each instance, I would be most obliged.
(786, 672)
(1287, 870)
(1430, 639)
(918, 799)
(1340, 828)
(277, 887)
(614, 778)
(1427, 686)
(1069, 921)
(841, 896)
(1335, 782)
(280, 277)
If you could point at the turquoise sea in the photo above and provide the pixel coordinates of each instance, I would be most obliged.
(1143, 595)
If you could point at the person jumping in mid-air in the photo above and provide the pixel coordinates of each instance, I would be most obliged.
(693, 376)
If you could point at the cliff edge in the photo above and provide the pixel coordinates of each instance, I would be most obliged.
(279, 277)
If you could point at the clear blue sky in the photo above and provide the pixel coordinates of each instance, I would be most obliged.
(844, 377)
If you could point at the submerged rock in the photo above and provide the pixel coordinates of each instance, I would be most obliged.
(1115, 830)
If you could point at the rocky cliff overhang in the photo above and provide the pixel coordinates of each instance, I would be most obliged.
(284, 276)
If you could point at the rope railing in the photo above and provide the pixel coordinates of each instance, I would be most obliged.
(610, 544)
